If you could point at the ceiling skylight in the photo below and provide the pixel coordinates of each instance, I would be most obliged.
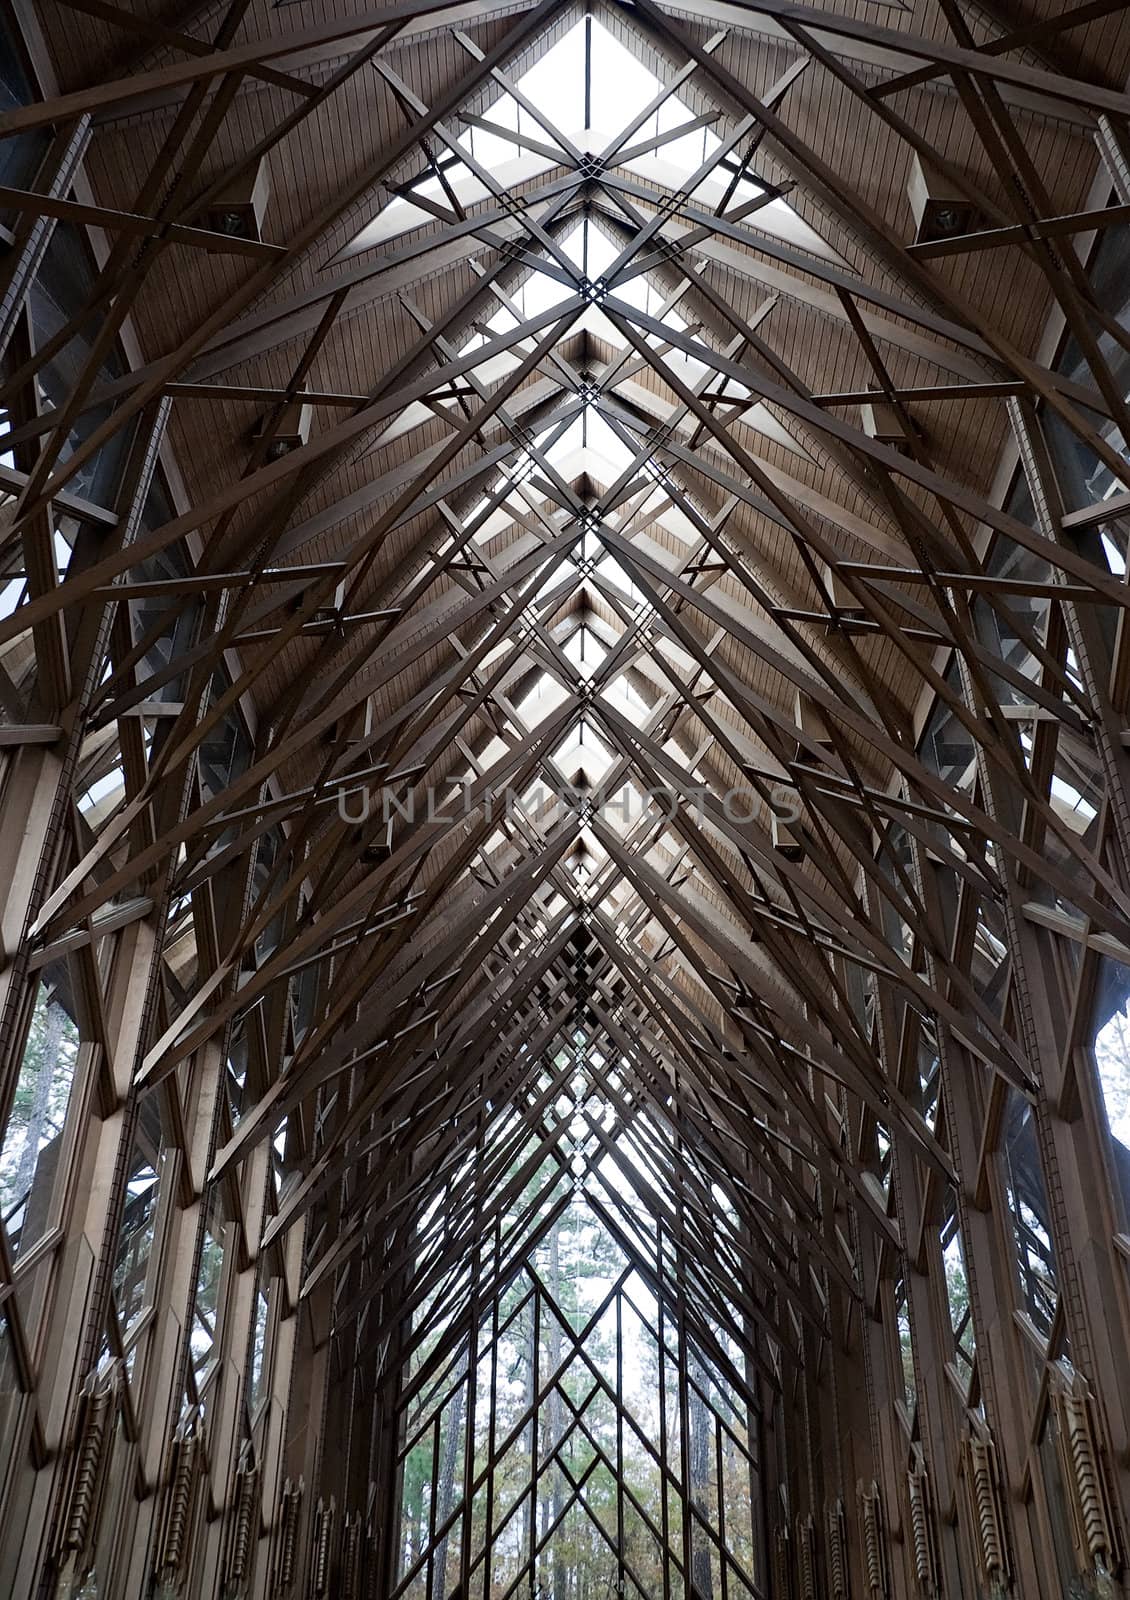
(592, 90)
(593, 254)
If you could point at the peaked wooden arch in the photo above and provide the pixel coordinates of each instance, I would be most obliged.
(584, 628)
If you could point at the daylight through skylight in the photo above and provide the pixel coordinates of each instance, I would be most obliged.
(589, 92)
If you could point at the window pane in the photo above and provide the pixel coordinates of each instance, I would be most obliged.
(906, 1345)
(957, 1291)
(11, 1394)
(1111, 1050)
(139, 1216)
(257, 1384)
(206, 1310)
(30, 1153)
(1028, 1204)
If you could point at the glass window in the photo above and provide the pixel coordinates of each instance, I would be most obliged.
(206, 1306)
(29, 1157)
(1028, 1205)
(21, 153)
(170, 615)
(257, 1386)
(226, 751)
(957, 1291)
(302, 993)
(265, 857)
(1059, 1511)
(1084, 477)
(990, 960)
(947, 745)
(999, 626)
(896, 849)
(883, 1157)
(62, 284)
(929, 1071)
(139, 1215)
(237, 1070)
(1110, 1051)
(906, 1345)
(11, 1395)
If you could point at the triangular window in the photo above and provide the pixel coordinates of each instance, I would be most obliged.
(593, 89)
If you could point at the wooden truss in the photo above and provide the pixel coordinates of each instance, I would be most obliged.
(558, 699)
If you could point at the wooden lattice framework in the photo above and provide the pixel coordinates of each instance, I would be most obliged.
(329, 659)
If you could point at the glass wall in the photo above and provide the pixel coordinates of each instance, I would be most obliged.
(1110, 1054)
